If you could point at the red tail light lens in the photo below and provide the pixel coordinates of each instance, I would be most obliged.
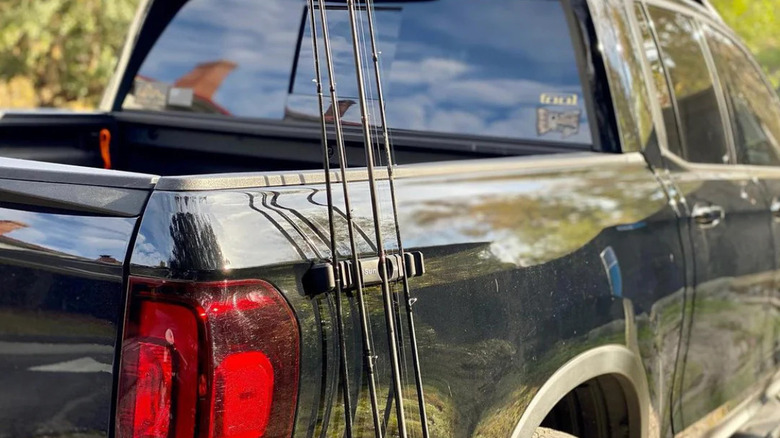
(146, 407)
(210, 360)
(243, 391)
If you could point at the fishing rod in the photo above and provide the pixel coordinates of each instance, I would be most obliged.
(389, 309)
(368, 350)
(391, 182)
(333, 251)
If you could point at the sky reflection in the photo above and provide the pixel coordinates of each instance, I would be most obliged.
(450, 66)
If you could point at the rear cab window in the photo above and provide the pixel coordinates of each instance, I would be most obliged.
(502, 70)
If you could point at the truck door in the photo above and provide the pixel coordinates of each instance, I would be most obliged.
(733, 255)
(64, 236)
(755, 124)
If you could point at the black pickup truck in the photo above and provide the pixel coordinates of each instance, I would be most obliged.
(588, 194)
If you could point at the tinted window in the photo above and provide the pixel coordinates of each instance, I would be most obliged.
(754, 114)
(701, 125)
(626, 79)
(504, 68)
(660, 83)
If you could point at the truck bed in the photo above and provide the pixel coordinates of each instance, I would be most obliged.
(171, 144)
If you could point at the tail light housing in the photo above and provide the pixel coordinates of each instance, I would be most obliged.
(207, 360)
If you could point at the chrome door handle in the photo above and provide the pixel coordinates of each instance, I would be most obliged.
(708, 216)
(774, 208)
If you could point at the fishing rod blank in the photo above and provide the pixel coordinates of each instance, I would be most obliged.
(334, 253)
(388, 306)
(368, 350)
(391, 183)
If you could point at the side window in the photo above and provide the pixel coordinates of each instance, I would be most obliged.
(660, 82)
(754, 113)
(624, 70)
(702, 135)
(504, 69)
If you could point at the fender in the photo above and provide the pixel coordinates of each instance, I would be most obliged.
(616, 360)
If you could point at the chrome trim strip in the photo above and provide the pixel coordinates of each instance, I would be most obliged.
(538, 163)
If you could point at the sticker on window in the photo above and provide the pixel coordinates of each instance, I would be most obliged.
(559, 99)
(567, 123)
(151, 94)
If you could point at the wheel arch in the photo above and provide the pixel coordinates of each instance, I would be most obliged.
(608, 360)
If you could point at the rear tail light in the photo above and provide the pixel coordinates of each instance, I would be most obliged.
(207, 360)
(148, 385)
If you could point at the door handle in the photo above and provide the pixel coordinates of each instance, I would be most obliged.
(774, 208)
(709, 216)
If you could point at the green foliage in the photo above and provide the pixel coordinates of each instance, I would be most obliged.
(758, 23)
(64, 51)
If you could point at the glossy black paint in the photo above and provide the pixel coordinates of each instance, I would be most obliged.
(61, 300)
(727, 328)
(770, 180)
(517, 280)
(531, 261)
(734, 274)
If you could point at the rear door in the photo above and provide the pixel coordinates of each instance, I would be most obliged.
(755, 124)
(733, 254)
(64, 235)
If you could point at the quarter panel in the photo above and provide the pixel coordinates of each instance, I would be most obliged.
(528, 265)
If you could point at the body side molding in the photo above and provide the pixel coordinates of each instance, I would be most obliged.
(615, 360)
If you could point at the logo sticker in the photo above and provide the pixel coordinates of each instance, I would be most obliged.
(565, 122)
(558, 99)
(151, 94)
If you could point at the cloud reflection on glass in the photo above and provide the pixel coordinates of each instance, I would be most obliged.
(449, 66)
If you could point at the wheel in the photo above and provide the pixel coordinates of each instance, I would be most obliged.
(544, 432)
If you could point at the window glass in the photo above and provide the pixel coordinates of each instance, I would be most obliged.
(701, 126)
(626, 79)
(504, 68)
(230, 57)
(660, 83)
(754, 113)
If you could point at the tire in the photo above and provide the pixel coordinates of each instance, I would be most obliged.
(543, 432)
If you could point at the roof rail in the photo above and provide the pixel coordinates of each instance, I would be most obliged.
(708, 6)
(705, 4)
